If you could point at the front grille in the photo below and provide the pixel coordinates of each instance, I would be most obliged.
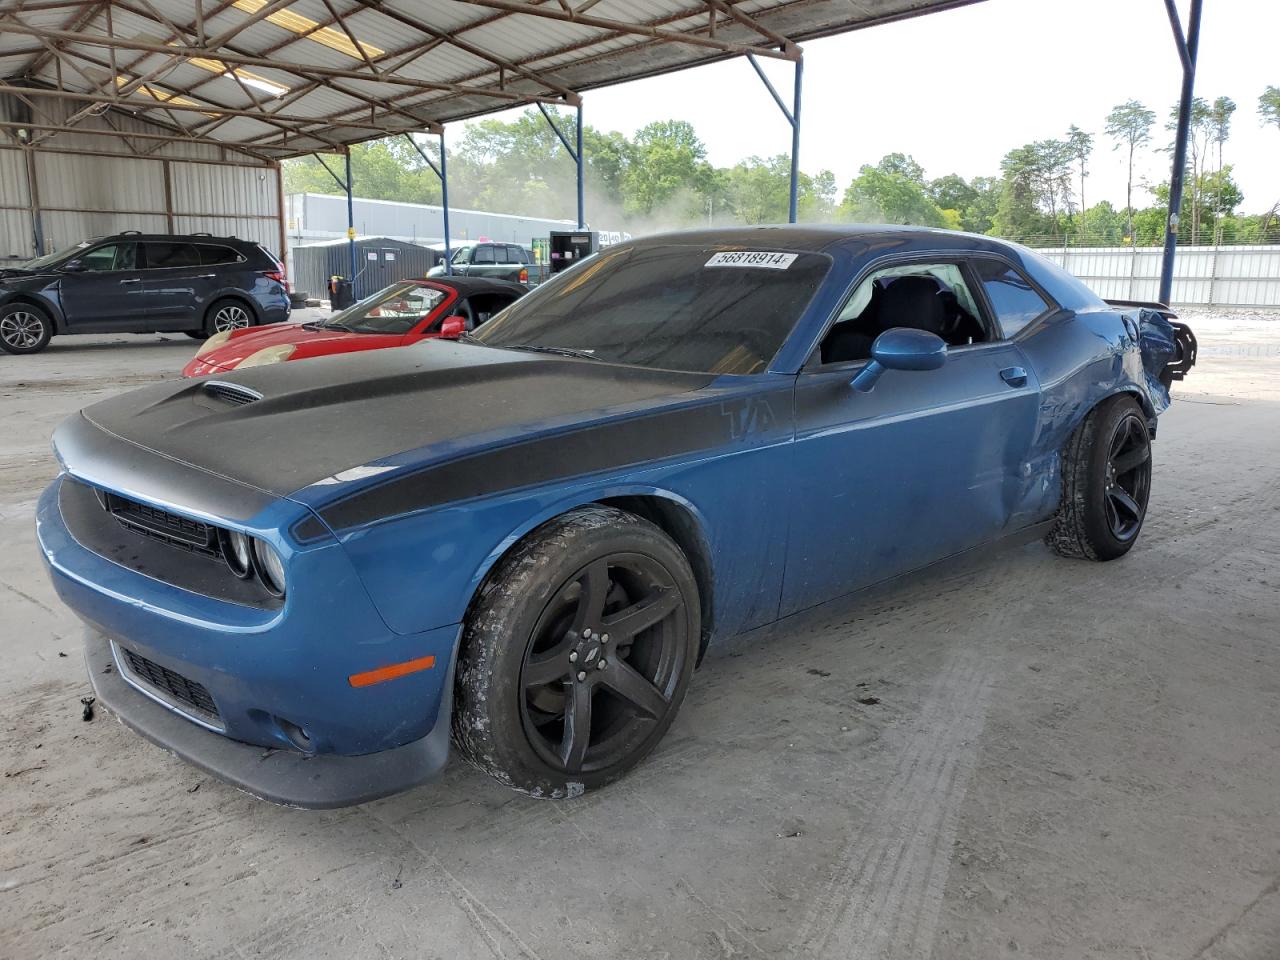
(161, 525)
(231, 393)
(171, 685)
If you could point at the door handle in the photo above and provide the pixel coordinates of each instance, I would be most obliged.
(206, 276)
(1014, 376)
(132, 280)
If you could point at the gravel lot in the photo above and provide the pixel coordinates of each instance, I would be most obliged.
(1066, 760)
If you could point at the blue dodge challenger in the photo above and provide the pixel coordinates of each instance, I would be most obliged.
(310, 579)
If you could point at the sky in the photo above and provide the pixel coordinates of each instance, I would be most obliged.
(957, 90)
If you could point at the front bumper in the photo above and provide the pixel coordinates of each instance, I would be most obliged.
(262, 675)
(315, 781)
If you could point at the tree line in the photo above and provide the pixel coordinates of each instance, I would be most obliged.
(661, 178)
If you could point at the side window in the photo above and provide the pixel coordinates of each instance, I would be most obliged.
(211, 256)
(923, 296)
(462, 255)
(516, 255)
(167, 255)
(484, 254)
(1012, 297)
(114, 256)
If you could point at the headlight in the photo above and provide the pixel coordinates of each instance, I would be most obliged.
(236, 551)
(270, 569)
(217, 340)
(267, 355)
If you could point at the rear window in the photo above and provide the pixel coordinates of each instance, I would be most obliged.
(167, 255)
(1012, 297)
(210, 255)
(674, 307)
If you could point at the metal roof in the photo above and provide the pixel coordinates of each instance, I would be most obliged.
(280, 78)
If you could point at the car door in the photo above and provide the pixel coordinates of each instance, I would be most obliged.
(925, 465)
(101, 291)
(178, 286)
(484, 261)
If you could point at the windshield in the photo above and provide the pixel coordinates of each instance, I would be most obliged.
(394, 309)
(49, 259)
(676, 307)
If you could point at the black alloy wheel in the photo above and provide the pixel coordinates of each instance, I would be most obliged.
(602, 666)
(577, 653)
(1106, 482)
(1127, 477)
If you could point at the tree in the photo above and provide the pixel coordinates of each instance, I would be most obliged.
(1220, 126)
(759, 191)
(1081, 145)
(1269, 106)
(1199, 136)
(668, 160)
(1129, 125)
(1037, 180)
(1269, 111)
(892, 191)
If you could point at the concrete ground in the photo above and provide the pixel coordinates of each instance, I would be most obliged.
(1061, 760)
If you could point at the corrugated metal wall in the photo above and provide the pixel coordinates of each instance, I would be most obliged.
(312, 266)
(319, 216)
(87, 186)
(1238, 276)
(15, 206)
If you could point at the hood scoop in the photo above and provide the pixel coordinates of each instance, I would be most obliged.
(232, 394)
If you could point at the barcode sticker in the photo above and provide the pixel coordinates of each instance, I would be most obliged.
(752, 258)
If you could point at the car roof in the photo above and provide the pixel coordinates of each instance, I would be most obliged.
(469, 285)
(817, 237)
(169, 237)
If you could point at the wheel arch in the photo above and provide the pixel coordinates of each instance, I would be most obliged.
(40, 303)
(676, 516)
(238, 296)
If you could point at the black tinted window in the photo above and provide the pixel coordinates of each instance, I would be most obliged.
(483, 254)
(517, 255)
(1014, 300)
(164, 255)
(674, 307)
(214, 255)
(113, 256)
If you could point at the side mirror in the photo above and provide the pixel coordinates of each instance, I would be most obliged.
(451, 328)
(72, 266)
(901, 348)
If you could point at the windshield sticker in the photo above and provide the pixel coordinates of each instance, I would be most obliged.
(752, 258)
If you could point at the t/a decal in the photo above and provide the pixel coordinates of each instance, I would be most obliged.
(753, 415)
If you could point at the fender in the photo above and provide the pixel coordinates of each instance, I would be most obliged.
(45, 304)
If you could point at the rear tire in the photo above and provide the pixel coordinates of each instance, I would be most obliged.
(1106, 483)
(576, 654)
(226, 314)
(24, 328)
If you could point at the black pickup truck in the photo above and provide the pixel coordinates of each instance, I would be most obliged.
(497, 261)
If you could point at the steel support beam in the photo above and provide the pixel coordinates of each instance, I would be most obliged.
(351, 222)
(577, 157)
(441, 171)
(792, 117)
(574, 152)
(1188, 44)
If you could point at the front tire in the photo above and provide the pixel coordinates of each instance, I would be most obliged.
(1106, 483)
(24, 328)
(227, 314)
(577, 654)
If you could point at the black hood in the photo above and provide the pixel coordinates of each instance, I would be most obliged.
(284, 427)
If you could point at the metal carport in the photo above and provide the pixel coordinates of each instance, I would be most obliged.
(264, 80)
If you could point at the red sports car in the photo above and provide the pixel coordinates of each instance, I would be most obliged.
(395, 316)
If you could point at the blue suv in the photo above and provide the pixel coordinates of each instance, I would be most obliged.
(196, 284)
